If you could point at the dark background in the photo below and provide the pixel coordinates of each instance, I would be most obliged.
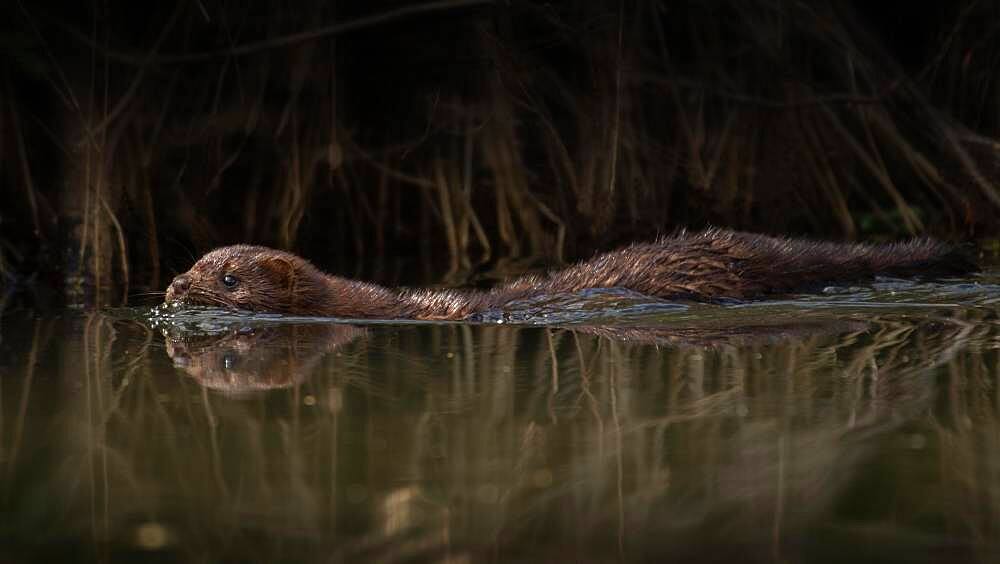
(459, 141)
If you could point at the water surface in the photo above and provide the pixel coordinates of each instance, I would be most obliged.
(860, 423)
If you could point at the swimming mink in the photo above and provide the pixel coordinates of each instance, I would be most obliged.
(709, 265)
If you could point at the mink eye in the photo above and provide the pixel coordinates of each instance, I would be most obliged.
(230, 281)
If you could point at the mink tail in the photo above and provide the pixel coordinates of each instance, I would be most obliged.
(922, 257)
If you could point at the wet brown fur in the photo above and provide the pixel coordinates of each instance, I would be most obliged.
(710, 265)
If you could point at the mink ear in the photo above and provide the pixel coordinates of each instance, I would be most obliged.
(284, 269)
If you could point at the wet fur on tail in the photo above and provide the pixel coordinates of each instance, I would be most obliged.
(922, 257)
(718, 264)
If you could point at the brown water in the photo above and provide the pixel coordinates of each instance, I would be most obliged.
(860, 424)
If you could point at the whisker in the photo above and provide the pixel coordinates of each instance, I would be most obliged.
(199, 297)
(145, 294)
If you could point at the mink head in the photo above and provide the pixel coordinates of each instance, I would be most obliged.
(250, 278)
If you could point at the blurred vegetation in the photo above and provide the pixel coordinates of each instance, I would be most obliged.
(476, 137)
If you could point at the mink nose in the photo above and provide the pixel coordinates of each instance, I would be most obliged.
(179, 286)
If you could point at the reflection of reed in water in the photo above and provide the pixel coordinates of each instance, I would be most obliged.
(425, 442)
(962, 439)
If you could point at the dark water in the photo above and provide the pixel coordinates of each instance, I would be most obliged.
(860, 424)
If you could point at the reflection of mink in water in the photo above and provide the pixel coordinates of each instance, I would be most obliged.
(264, 358)
(714, 264)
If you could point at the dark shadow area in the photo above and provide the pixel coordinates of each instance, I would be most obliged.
(458, 140)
